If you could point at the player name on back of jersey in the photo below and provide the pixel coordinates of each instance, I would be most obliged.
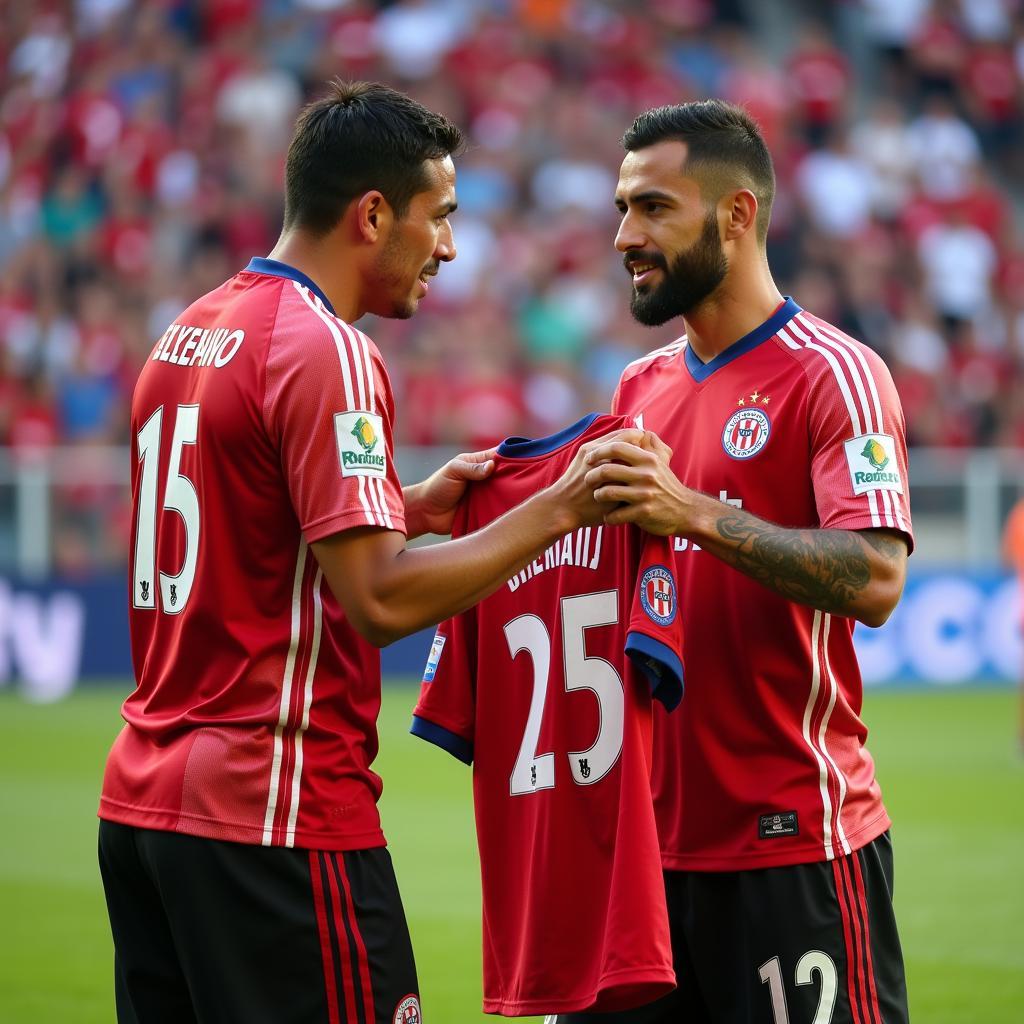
(198, 346)
(582, 547)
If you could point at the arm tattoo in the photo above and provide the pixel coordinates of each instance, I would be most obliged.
(826, 569)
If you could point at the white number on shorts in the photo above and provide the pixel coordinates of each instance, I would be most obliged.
(179, 496)
(528, 633)
(813, 961)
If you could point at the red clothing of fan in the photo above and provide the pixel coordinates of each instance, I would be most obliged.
(765, 762)
(534, 688)
(260, 423)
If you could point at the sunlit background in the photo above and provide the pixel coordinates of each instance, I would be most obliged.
(141, 154)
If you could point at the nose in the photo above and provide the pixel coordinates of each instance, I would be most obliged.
(445, 250)
(628, 236)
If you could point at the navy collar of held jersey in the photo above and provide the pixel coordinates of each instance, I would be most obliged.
(527, 448)
(701, 371)
(275, 268)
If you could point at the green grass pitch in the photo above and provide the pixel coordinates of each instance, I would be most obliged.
(948, 762)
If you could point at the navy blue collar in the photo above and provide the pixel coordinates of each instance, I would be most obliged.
(275, 268)
(701, 371)
(526, 448)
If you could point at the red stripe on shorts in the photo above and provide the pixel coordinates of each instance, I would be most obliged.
(852, 940)
(325, 939)
(364, 963)
(862, 901)
(344, 953)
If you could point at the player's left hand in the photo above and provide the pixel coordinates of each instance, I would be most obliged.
(640, 484)
(430, 505)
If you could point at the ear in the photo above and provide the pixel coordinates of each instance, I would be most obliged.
(373, 216)
(740, 214)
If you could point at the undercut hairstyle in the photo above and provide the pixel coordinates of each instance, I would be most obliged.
(361, 136)
(724, 150)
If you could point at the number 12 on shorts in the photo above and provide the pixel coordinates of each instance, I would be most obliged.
(814, 961)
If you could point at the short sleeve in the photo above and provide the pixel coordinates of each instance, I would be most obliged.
(328, 407)
(445, 713)
(654, 640)
(858, 445)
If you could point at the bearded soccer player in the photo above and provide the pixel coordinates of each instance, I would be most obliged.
(242, 856)
(783, 478)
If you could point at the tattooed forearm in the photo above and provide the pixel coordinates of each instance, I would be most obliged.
(827, 569)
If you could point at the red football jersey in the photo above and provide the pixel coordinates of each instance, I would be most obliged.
(534, 688)
(765, 762)
(260, 423)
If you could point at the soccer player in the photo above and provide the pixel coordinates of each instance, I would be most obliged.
(240, 845)
(783, 479)
(546, 688)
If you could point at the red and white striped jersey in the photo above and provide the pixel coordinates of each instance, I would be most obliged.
(764, 763)
(260, 423)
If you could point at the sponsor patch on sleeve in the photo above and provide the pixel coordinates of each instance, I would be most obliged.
(871, 459)
(434, 657)
(361, 447)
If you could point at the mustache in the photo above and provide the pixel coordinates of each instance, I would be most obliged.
(431, 269)
(637, 256)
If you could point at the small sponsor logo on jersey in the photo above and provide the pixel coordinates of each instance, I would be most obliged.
(433, 658)
(585, 767)
(746, 432)
(870, 460)
(360, 449)
(779, 823)
(408, 1011)
(658, 595)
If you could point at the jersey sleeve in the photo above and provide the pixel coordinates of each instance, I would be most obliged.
(654, 640)
(445, 713)
(328, 408)
(858, 446)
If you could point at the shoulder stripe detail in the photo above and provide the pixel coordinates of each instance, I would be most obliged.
(891, 501)
(332, 326)
(307, 699)
(844, 388)
(286, 696)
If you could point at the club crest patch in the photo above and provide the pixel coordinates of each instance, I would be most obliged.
(871, 459)
(361, 447)
(746, 433)
(658, 595)
(434, 657)
(408, 1011)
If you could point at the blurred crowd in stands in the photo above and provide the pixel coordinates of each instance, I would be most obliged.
(141, 153)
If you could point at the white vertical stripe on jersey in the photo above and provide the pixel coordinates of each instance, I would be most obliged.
(812, 701)
(872, 425)
(364, 342)
(316, 305)
(844, 388)
(357, 363)
(879, 419)
(379, 484)
(286, 695)
(374, 517)
(307, 699)
(823, 729)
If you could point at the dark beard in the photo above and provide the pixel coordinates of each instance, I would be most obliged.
(691, 278)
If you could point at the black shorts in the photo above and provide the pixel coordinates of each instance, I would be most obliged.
(209, 931)
(790, 945)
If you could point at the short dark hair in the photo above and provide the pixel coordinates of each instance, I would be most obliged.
(725, 148)
(360, 136)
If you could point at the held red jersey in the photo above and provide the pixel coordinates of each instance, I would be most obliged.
(534, 688)
(765, 763)
(260, 423)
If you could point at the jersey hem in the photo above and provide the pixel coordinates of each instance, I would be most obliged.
(803, 855)
(346, 521)
(660, 981)
(248, 835)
